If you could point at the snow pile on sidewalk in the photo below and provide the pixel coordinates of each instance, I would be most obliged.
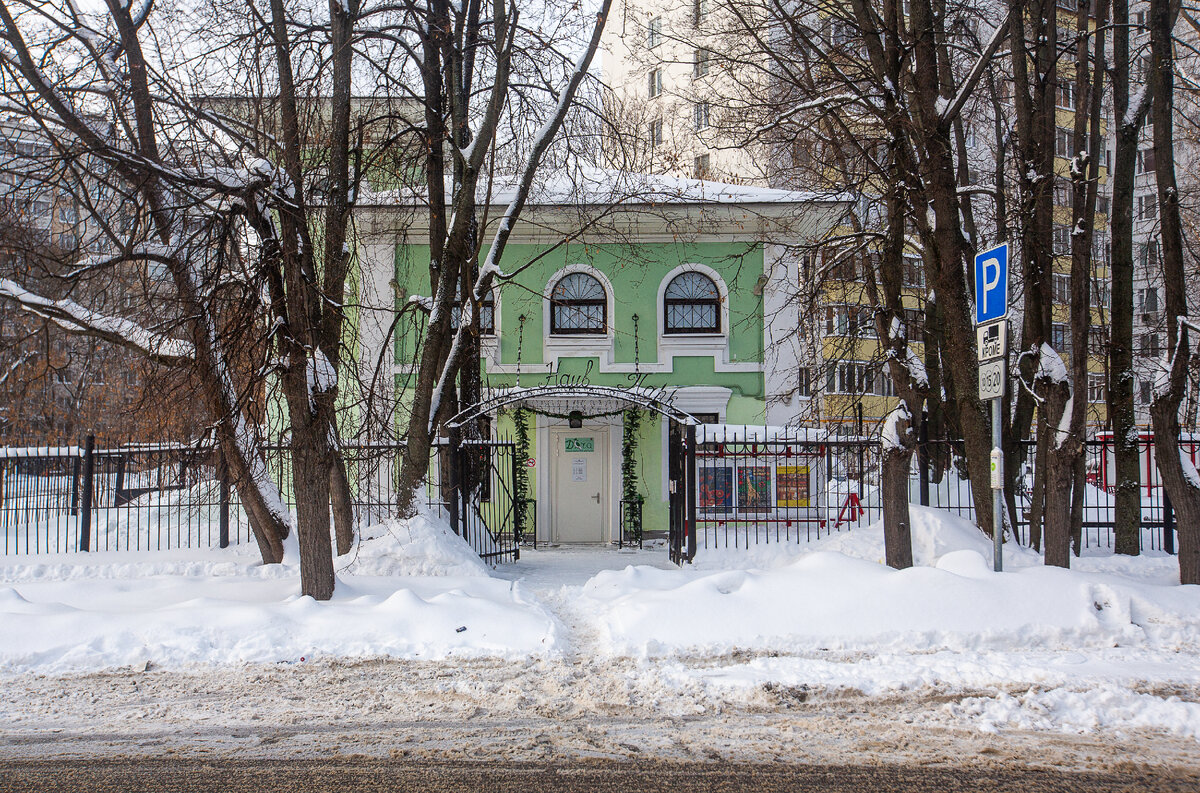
(835, 593)
(420, 546)
(826, 600)
(414, 591)
(934, 533)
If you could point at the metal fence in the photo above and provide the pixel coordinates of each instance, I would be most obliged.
(167, 496)
(56, 499)
(489, 516)
(761, 490)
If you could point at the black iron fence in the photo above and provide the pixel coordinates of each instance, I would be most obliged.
(487, 513)
(757, 485)
(166, 496)
(146, 497)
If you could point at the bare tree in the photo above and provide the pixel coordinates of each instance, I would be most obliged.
(464, 96)
(1178, 474)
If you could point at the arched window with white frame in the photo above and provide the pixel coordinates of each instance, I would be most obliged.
(691, 304)
(578, 304)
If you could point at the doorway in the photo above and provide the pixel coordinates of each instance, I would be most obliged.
(580, 511)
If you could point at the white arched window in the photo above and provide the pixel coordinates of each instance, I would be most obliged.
(578, 304)
(691, 304)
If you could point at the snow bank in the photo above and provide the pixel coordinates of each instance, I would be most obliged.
(934, 534)
(421, 546)
(414, 590)
(828, 600)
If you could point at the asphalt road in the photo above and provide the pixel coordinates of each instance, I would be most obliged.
(364, 774)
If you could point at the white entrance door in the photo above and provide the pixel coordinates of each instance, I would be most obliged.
(580, 508)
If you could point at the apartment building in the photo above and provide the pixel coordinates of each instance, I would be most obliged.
(678, 80)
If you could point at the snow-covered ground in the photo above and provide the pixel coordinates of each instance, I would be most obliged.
(1109, 648)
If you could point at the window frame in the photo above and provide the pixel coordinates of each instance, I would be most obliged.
(602, 302)
(714, 302)
(654, 32)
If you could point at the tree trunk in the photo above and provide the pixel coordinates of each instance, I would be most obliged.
(1037, 496)
(897, 526)
(343, 506)
(1059, 470)
(1179, 476)
(1127, 511)
(311, 461)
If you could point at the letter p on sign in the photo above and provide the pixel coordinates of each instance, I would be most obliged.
(991, 284)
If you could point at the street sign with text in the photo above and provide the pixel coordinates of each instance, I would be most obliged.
(991, 379)
(991, 284)
(992, 340)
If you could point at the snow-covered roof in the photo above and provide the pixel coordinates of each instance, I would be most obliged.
(597, 186)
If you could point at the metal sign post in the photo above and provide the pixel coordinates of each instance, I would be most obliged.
(991, 312)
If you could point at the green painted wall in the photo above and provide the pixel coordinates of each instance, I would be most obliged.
(635, 272)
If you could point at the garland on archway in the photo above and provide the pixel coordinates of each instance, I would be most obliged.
(521, 472)
(629, 492)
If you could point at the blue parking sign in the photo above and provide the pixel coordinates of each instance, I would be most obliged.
(991, 284)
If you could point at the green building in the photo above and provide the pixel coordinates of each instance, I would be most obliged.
(676, 287)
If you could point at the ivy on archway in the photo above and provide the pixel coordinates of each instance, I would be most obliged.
(521, 498)
(633, 500)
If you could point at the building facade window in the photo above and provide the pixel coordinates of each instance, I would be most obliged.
(699, 11)
(702, 166)
(804, 382)
(656, 82)
(1066, 95)
(1145, 160)
(656, 133)
(1062, 141)
(1147, 207)
(1149, 346)
(1062, 240)
(701, 66)
(1060, 338)
(854, 321)
(1147, 300)
(691, 304)
(654, 32)
(1095, 386)
(857, 377)
(1062, 288)
(487, 316)
(913, 272)
(578, 304)
(701, 115)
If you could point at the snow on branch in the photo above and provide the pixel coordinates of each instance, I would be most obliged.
(74, 318)
(985, 58)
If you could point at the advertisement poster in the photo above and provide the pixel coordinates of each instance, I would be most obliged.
(754, 488)
(791, 486)
(716, 487)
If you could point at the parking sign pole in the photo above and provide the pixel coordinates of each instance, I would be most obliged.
(991, 311)
(997, 489)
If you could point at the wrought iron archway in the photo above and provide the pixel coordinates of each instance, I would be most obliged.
(646, 399)
(681, 452)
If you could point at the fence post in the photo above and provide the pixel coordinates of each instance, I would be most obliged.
(75, 486)
(691, 492)
(85, 525)
(120, 496)
(923, 457)
(448, 454)
(1168, 523)
(223, 509)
